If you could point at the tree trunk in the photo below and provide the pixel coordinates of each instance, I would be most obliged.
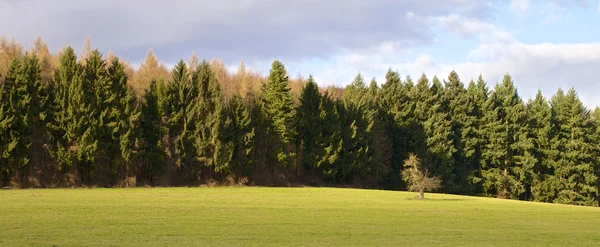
(421, 194)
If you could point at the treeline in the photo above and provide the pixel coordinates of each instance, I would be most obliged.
(66, 121)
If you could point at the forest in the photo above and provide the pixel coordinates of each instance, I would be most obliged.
(92, 120)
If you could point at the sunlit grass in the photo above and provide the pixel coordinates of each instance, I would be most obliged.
(284, 217)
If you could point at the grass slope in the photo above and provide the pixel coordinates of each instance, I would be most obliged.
(284, 217)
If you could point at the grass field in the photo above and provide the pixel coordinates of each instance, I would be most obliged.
(284, 217)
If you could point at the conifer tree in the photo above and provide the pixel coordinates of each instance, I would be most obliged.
(309, 124)
(359, 151)
(539, 120)
(239, 136)
(279, 110)
(507, 159)
(575, 179)
(123, 119)
(95, 147)
(474, 140)
(432, 133)
(66, 108)
(395, 110)
(180, 110)
(12, 140)
(152, 130)
(209, 122)
(25, 105)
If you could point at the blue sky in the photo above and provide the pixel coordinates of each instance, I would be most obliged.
(542, 44)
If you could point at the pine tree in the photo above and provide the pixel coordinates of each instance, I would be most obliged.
(574, 180)
(208, 129)
(507, 159)
(279, 109)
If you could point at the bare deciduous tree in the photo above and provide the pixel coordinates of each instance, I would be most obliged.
(417, 178)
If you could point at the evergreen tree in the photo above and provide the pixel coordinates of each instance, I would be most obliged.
(309, 124)
(539, 120)
(13, 138)
(359, 150)
(25, 111)
(456, 102)
(507, 159)
(209, 121)
(180, 110)
(67, 106)
(474, 140)
(432, 133)
(152, 130)
(574, 180)
(396, 110)
(238, 140)
(279, 109)
(123, 118)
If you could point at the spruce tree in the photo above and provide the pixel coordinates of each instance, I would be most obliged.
(507, 161)
(575, 179)
(66, 105)
(278, 106)
(309, 124)
(208, 130)
(456, 102)
(123, 119)
(152, 131)
(474, 140)
(539, 119)
(11, 141)
(238, 137)
(180, 110)
(432, 134)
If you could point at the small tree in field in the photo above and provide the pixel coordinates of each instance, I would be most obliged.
(417, 178)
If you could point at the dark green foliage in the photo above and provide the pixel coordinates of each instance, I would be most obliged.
(539, 116)
(279, 110)
(572, 159)
(208, 124)
(508, 161)
(180, 110)
(238, 137)
(87, 127)
(152, 130)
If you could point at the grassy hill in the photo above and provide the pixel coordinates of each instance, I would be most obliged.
(284, 217)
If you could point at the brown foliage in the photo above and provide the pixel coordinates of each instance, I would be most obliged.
(417, 178)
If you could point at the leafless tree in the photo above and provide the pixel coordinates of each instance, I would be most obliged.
(417, 178)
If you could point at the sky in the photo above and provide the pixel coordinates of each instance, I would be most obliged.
(543, 45)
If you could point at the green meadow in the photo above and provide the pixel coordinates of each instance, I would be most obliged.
(255, 216)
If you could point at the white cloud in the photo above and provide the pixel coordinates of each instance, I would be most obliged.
(598, 11)
(520, 7)
(545, 66)
(553, 12)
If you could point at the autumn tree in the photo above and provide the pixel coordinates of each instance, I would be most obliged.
(418, 178)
